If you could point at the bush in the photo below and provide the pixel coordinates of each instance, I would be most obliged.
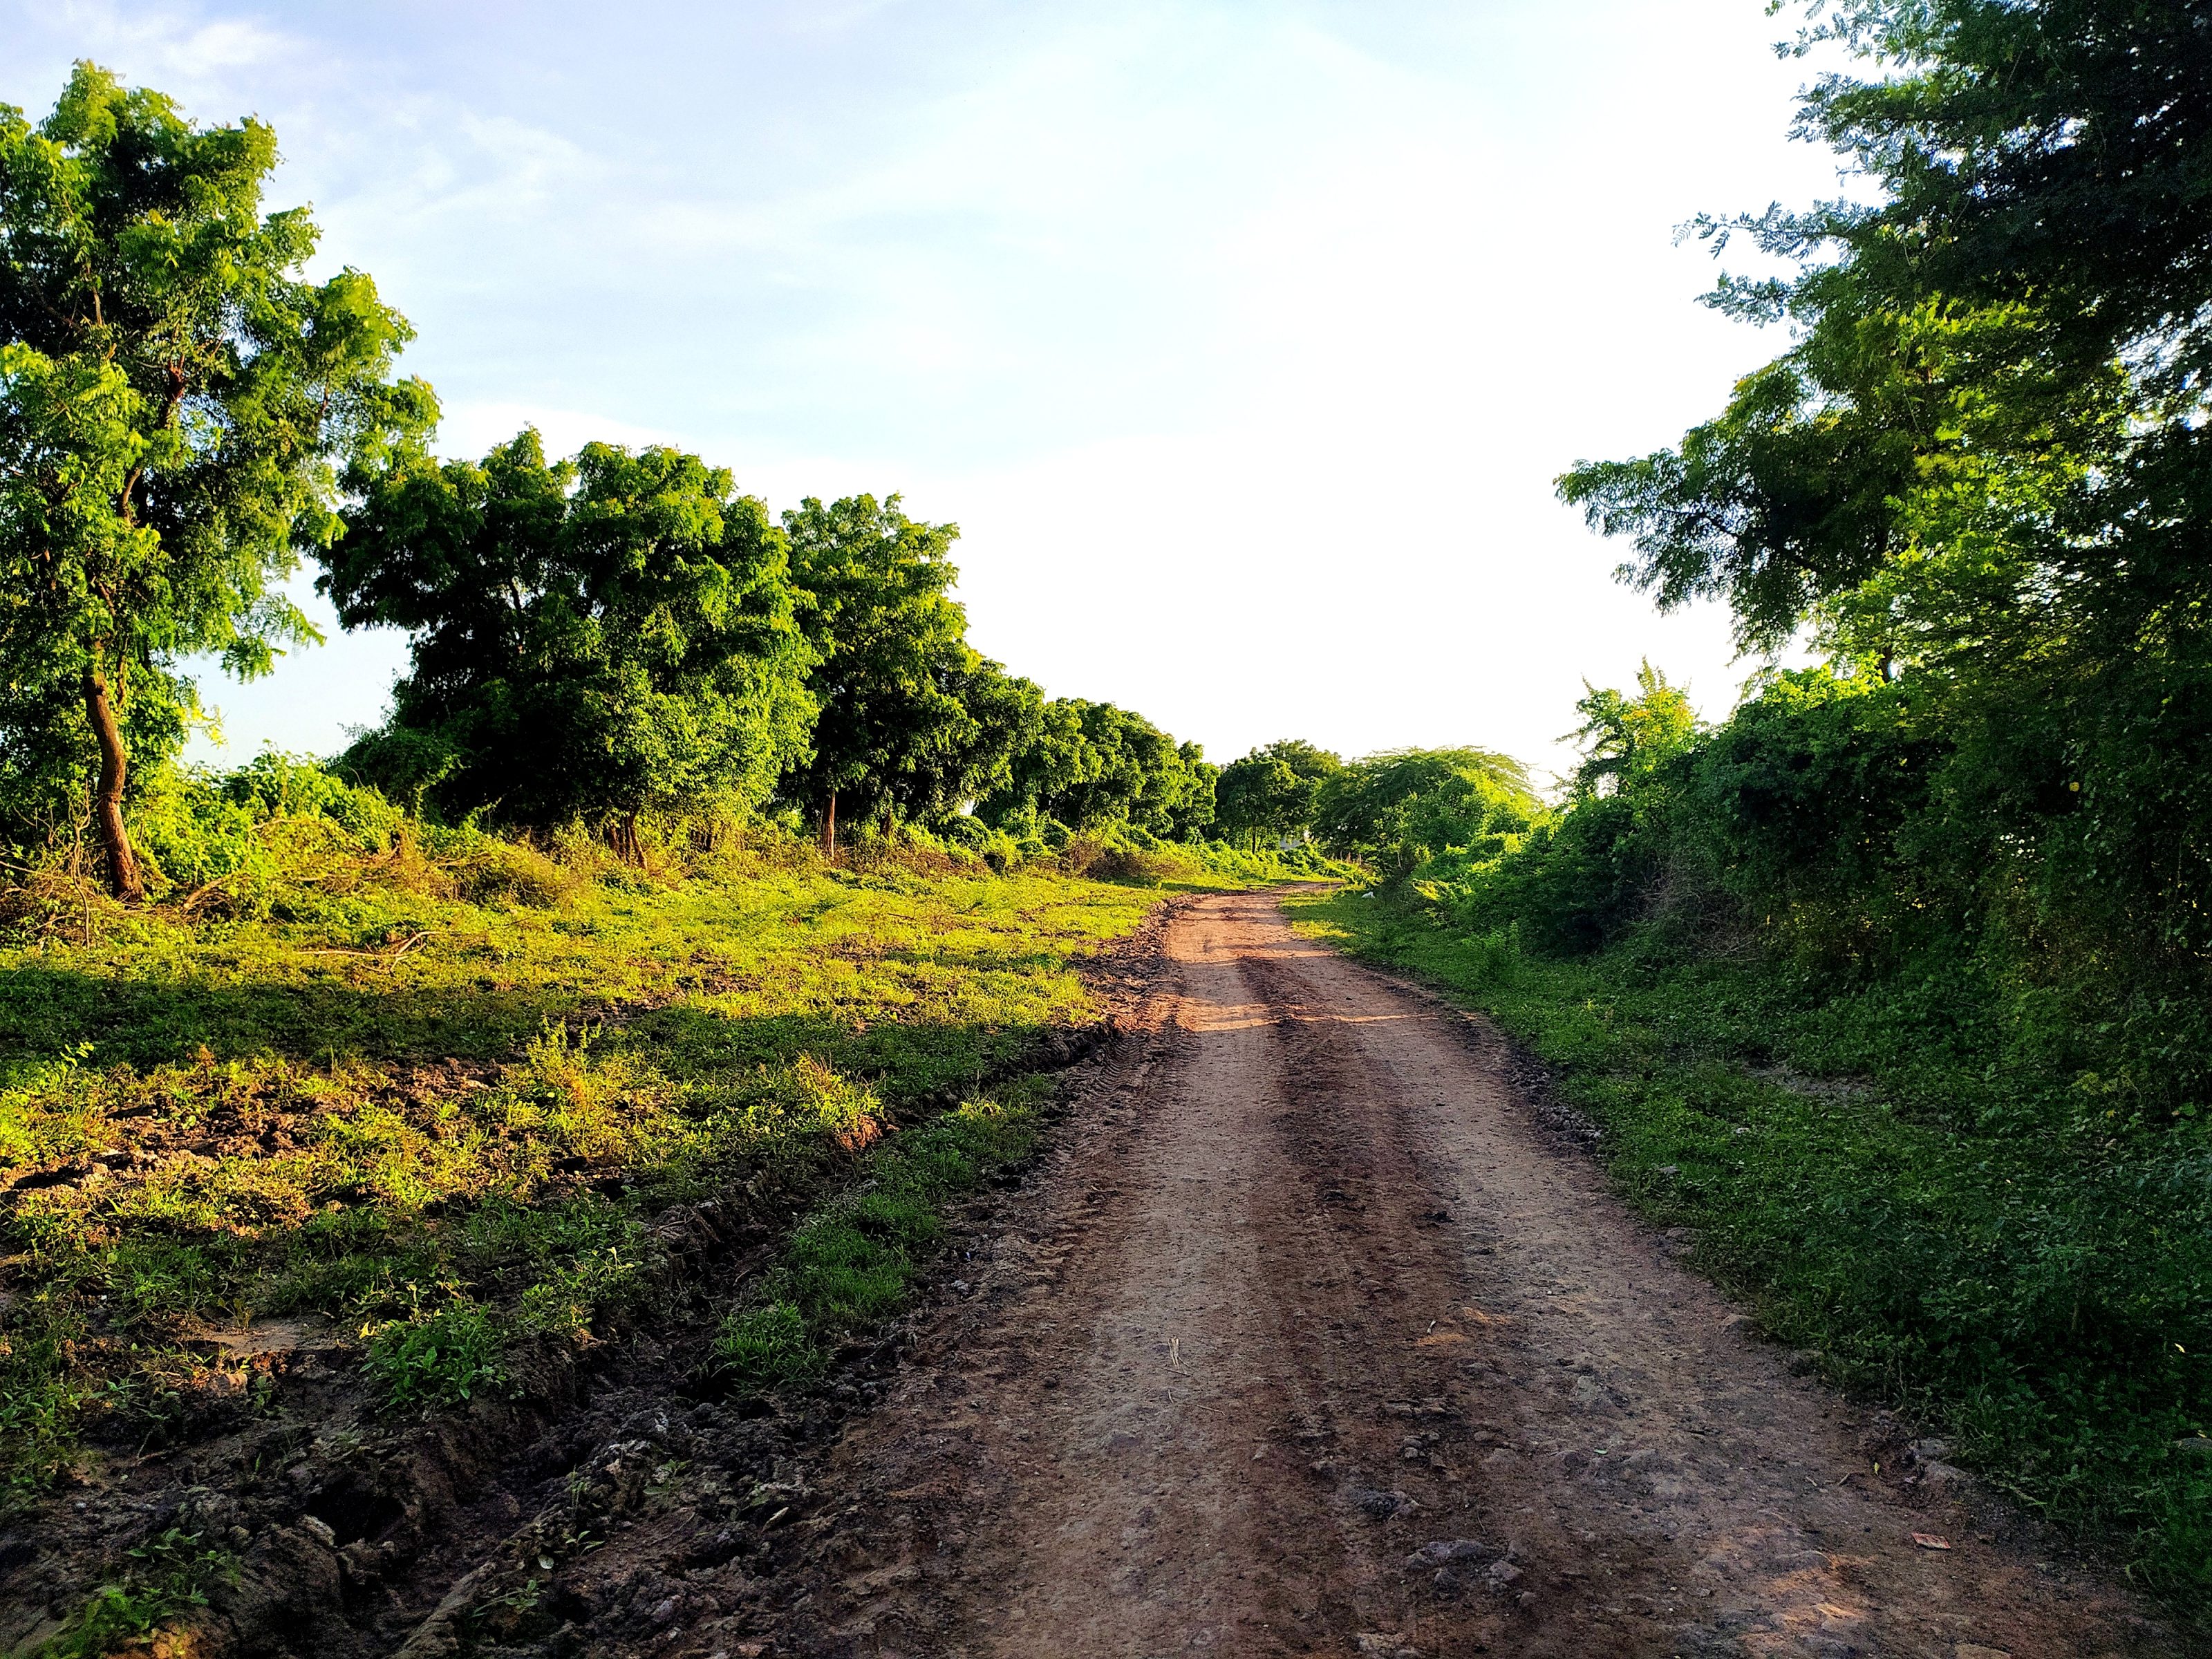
(493, 872)
(278, 821)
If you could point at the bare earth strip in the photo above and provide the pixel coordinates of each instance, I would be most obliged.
(1316, 1340)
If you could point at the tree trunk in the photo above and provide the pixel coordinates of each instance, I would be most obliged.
(107, 795)
(830, 829)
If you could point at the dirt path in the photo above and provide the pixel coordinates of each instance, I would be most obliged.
(1316, 1340)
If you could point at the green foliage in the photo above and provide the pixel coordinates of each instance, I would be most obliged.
(1626, 740)
(766, 1347)
(444, 1358)
(241, 839)
(2052, 154)
(1404, 805)
(1088, 765)
(1273, 791)
(167, 1574)
(175, 399)
(1980, 475)
(597, 638)
(913, 722)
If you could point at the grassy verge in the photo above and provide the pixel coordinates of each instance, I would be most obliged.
(1951, 1227)
(434, 1119)
(851, 1263)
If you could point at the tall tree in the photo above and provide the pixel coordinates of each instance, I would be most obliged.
(912, 720)
(1982, 472)
(174, 398)
(592, 638)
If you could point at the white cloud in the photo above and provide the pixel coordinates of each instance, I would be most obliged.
(179, 49)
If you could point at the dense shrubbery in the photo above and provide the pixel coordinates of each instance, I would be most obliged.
(1981, 477)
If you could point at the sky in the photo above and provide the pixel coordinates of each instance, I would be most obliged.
(1242, 341)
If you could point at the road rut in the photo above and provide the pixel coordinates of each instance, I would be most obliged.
(1317, 1338)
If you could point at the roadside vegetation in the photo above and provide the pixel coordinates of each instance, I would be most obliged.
(699, 859)
(427, 1090)
(1937, 1221)
(1895, 987)
(701, 882)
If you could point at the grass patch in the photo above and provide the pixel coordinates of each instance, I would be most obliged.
(440, 1115)
(851, 1263)
(1955, 1226)
(443, 1357)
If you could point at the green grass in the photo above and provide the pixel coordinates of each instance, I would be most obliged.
(851, 1263)
(1952, 1223)
(442, 1124)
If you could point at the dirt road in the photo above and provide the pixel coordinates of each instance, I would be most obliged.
(1316, 1339)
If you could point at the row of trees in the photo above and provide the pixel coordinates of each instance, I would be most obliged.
(1394, 810)
(184, 416)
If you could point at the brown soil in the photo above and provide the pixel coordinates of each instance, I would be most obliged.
(1317, 1332)
(1317, 1338)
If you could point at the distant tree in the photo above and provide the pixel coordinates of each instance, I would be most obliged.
(913, 722)
(1423, 797)
(174, 399)
(590, 638)
(1090, 764)
(1258, 795)
(930, 782)
(1052, 758)
(1273, 791)
(1307, 760)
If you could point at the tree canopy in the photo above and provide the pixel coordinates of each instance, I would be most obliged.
(1084, 764)
(1273, 791)
(176, 399)
(1983, 469)
(1404, 799)
(913, 722)
(590, 638)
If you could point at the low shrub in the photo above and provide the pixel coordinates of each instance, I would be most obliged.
(444, 1358)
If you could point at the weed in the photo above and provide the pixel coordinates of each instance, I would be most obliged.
(167, 1574)
(850, 1263)
(766, 1346)
(441, 1358)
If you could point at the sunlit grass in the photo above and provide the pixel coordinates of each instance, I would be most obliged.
(450, 1152)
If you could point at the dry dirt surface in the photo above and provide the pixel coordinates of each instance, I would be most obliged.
(1319, 1335)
